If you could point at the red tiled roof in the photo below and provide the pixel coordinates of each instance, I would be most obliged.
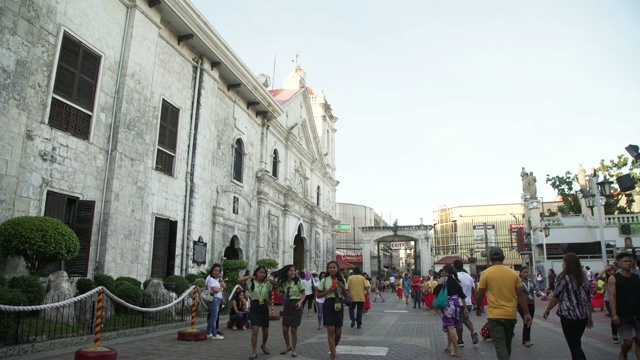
(450, 259)
(284, 95)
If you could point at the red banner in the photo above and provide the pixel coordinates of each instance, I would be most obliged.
(350, 257)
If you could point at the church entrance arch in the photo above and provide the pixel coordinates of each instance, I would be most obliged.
(233, 251)
(396, 254)
(378, 257)
(298, 249)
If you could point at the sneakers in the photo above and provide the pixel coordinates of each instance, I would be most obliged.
(616, 340)
(353, 323)
(474, 337)
(234, 328)
(217, 337)
(209, 336)
(460, 343)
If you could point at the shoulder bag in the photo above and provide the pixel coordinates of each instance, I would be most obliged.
(440, 302)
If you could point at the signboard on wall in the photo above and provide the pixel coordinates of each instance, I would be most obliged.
(350, 257)
(478, 236)
(396, 245)
(343, 229)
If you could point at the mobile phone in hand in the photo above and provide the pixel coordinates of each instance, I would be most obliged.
(334, 283)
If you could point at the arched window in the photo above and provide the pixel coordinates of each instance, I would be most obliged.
(318, 195)
(238, 159)
(274, 163)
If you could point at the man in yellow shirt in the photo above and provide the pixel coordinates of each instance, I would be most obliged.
(504, 291)
(357, 286)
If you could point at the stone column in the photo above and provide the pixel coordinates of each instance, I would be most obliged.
(367, 248)
(425, 253)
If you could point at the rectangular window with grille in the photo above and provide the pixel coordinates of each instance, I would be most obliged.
(78, 215)
(167, 138)
(74, 88)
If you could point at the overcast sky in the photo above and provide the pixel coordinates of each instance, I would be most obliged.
(443, 102)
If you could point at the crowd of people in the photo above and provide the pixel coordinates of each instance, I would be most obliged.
(451, 293)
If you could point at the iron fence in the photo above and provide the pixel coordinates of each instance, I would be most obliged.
(78, 318)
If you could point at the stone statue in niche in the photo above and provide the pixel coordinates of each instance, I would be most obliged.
(274, 248)
(328, 249)
(318, 249)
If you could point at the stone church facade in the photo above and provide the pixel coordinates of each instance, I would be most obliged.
(138, 126)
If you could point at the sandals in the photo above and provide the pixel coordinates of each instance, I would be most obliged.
(456, 354)
(283, 352)
(254, 356)
(294, 354)
(265, 349)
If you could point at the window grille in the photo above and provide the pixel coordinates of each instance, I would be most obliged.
(74, 88)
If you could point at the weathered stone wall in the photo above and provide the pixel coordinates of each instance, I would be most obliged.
(35, 158)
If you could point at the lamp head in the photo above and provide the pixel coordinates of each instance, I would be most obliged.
(634, 151)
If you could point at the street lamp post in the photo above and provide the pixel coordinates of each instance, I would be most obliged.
(598, 189)
(604, 188)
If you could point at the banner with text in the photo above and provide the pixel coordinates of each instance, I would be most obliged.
(349, 257)
(478, 236)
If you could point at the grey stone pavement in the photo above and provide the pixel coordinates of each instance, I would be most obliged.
(401, 331)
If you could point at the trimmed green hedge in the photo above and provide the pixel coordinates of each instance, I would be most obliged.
(181, 283)
(127, 279)
(105, 280)
(84, 285)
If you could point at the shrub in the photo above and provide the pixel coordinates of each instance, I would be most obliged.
(191, 278)
(84, 285)
(230, 269)
(147, 299)
(200, 283)
(270, 264)
(30, 287)
(39, 240)
(3, 281)
(145, 283)
(129, 293)
(12, 297)
(129, 280)
(105, 280)
(181, 283)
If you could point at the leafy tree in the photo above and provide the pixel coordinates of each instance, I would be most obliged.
(567, 187)
(39, 240)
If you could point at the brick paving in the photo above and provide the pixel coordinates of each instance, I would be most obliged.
(415, 334)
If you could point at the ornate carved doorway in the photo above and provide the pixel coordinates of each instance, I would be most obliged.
(298, 249)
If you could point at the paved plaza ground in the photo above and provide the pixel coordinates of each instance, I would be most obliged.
(392, 330)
